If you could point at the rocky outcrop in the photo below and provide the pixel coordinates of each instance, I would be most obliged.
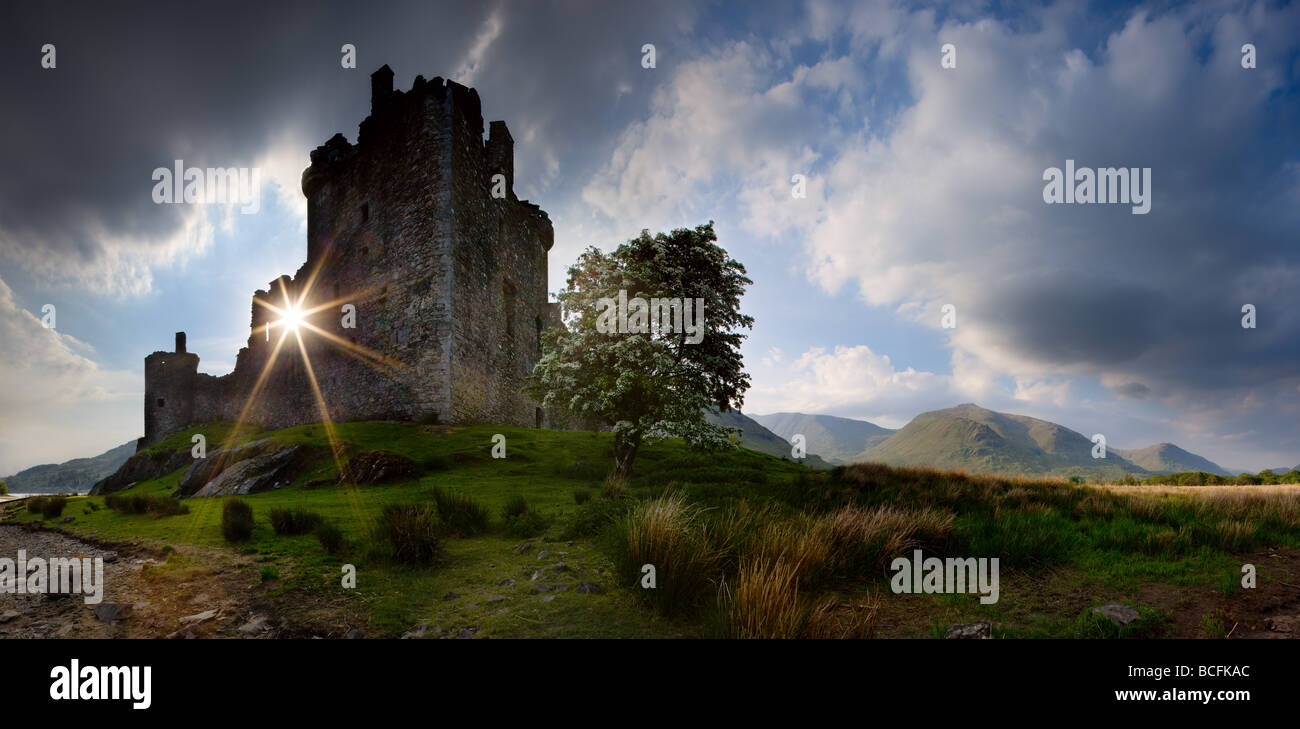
(203, 470)
(142, 466)
(377, 467)
(259, 466)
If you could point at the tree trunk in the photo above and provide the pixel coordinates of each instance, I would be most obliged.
(625, 448)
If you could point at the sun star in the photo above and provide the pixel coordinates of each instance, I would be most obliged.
(291, 318)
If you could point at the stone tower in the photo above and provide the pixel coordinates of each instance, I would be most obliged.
(447, 280)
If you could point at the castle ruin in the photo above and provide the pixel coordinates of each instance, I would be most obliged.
(448, 283)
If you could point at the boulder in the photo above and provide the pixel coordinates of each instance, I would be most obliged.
(256, 626)
(1118, 613)
(111, 612)
(263, 464)
(250, 475)
(970, 631)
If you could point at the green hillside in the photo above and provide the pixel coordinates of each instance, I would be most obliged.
(974, 439)
(1169, 458)
(756, 437)
(706, 520)
(75, 476)
(836, 439)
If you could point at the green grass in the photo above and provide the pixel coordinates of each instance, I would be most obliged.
(395, 597)
(547, 496)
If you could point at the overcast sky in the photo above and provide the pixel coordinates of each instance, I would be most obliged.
(924, 188)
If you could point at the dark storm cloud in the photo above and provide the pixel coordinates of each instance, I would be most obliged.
(218, 84)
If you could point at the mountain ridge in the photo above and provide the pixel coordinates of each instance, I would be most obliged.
(73, 476)
(1169, 458)
(978, 440)
(758, 438)
(832, 437)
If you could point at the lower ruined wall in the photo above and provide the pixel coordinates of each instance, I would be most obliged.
(351, 390)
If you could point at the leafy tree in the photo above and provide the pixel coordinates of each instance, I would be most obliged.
(656, 383)
(4, 489)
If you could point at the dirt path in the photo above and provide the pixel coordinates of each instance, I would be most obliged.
(144, 595)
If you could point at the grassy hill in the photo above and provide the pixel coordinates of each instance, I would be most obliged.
(75, 476)
(756, 437)
(974, 439)
(1169, 458)
(838, 440)
(715, 524)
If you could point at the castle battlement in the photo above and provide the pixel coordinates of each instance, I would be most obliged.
(448, 283)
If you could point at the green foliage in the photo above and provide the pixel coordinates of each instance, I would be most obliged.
(1202, 478)
(615, 487)
(516, 505)
(526, 525)
(330, 537)
(49, 507)
(584, 470)
(236, 521)
(157, 505)
(521, 522)
(755, 509)
(1215, 623)
(460, 512)
(670, 534)
(4, 489)
(582, 496)
(409, 534)
(435, 462)
(287, 522)
(658, 383)
(269, 573)
(1020, 539)
(594, 517)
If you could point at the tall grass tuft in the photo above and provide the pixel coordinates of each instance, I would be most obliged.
(236, 521)
(288, 522)
(49, 507)
(155, 504)
(669, 534)
(461, 514)
(409, 534)
(330, 537)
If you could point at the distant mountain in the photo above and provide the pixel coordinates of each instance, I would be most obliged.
(74, 476)
(1283, 469)
(978, 440)
(757, 438)
(838, 440)
(1169, 458)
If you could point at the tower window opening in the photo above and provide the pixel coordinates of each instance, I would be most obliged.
(365, 212)
(160, 402)
(508, 303)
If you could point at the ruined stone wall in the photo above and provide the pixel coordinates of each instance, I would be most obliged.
(449, 283)
(498, 282)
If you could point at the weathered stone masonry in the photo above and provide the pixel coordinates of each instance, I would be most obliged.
(447, 280)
